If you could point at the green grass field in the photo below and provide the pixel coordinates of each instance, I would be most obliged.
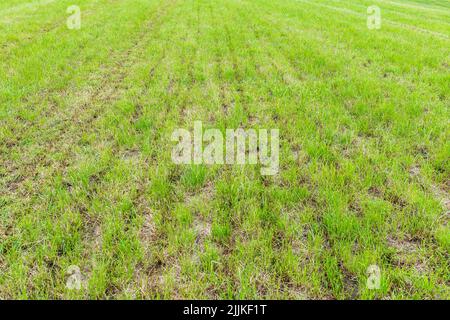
(86, 176)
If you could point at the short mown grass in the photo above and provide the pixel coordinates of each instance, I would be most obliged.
(86, 176)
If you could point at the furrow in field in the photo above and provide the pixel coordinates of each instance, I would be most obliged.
(394, 23)
(424, 7)
(59, 115)
(238, 34)
(91, 106)
(170, 97)
(182, 105)
(286, 63)
(33, 30)
(26, 66)
(68, 128)
(283, 65)
(424, 20)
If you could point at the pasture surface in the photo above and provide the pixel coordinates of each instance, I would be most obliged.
(86, 176)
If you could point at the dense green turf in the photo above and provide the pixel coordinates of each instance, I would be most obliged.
(86, 176)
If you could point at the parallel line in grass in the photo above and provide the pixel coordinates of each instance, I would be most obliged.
(44, 93)
(404, 79)
(43, 40)
(163, 245)
(227, 45)
(262, 20)
(429, 8)
(46, 30)
(403, 25)
(439, 194)
(399, 24)
(121, 283)
(274, 54)
(219, 60)
(71, 59)
(347, 275)
(70, 133)
(264, 52)
(108, 81)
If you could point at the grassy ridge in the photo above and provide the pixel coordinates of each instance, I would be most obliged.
(86, 177)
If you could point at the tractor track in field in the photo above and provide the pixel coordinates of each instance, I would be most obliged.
(348, 278)
(48, 94)
(78, 122)
(71, 127)
(25, 6)
(138, 234)
(406, 5)
(395, 23)
(411, 83)
(401, 14)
